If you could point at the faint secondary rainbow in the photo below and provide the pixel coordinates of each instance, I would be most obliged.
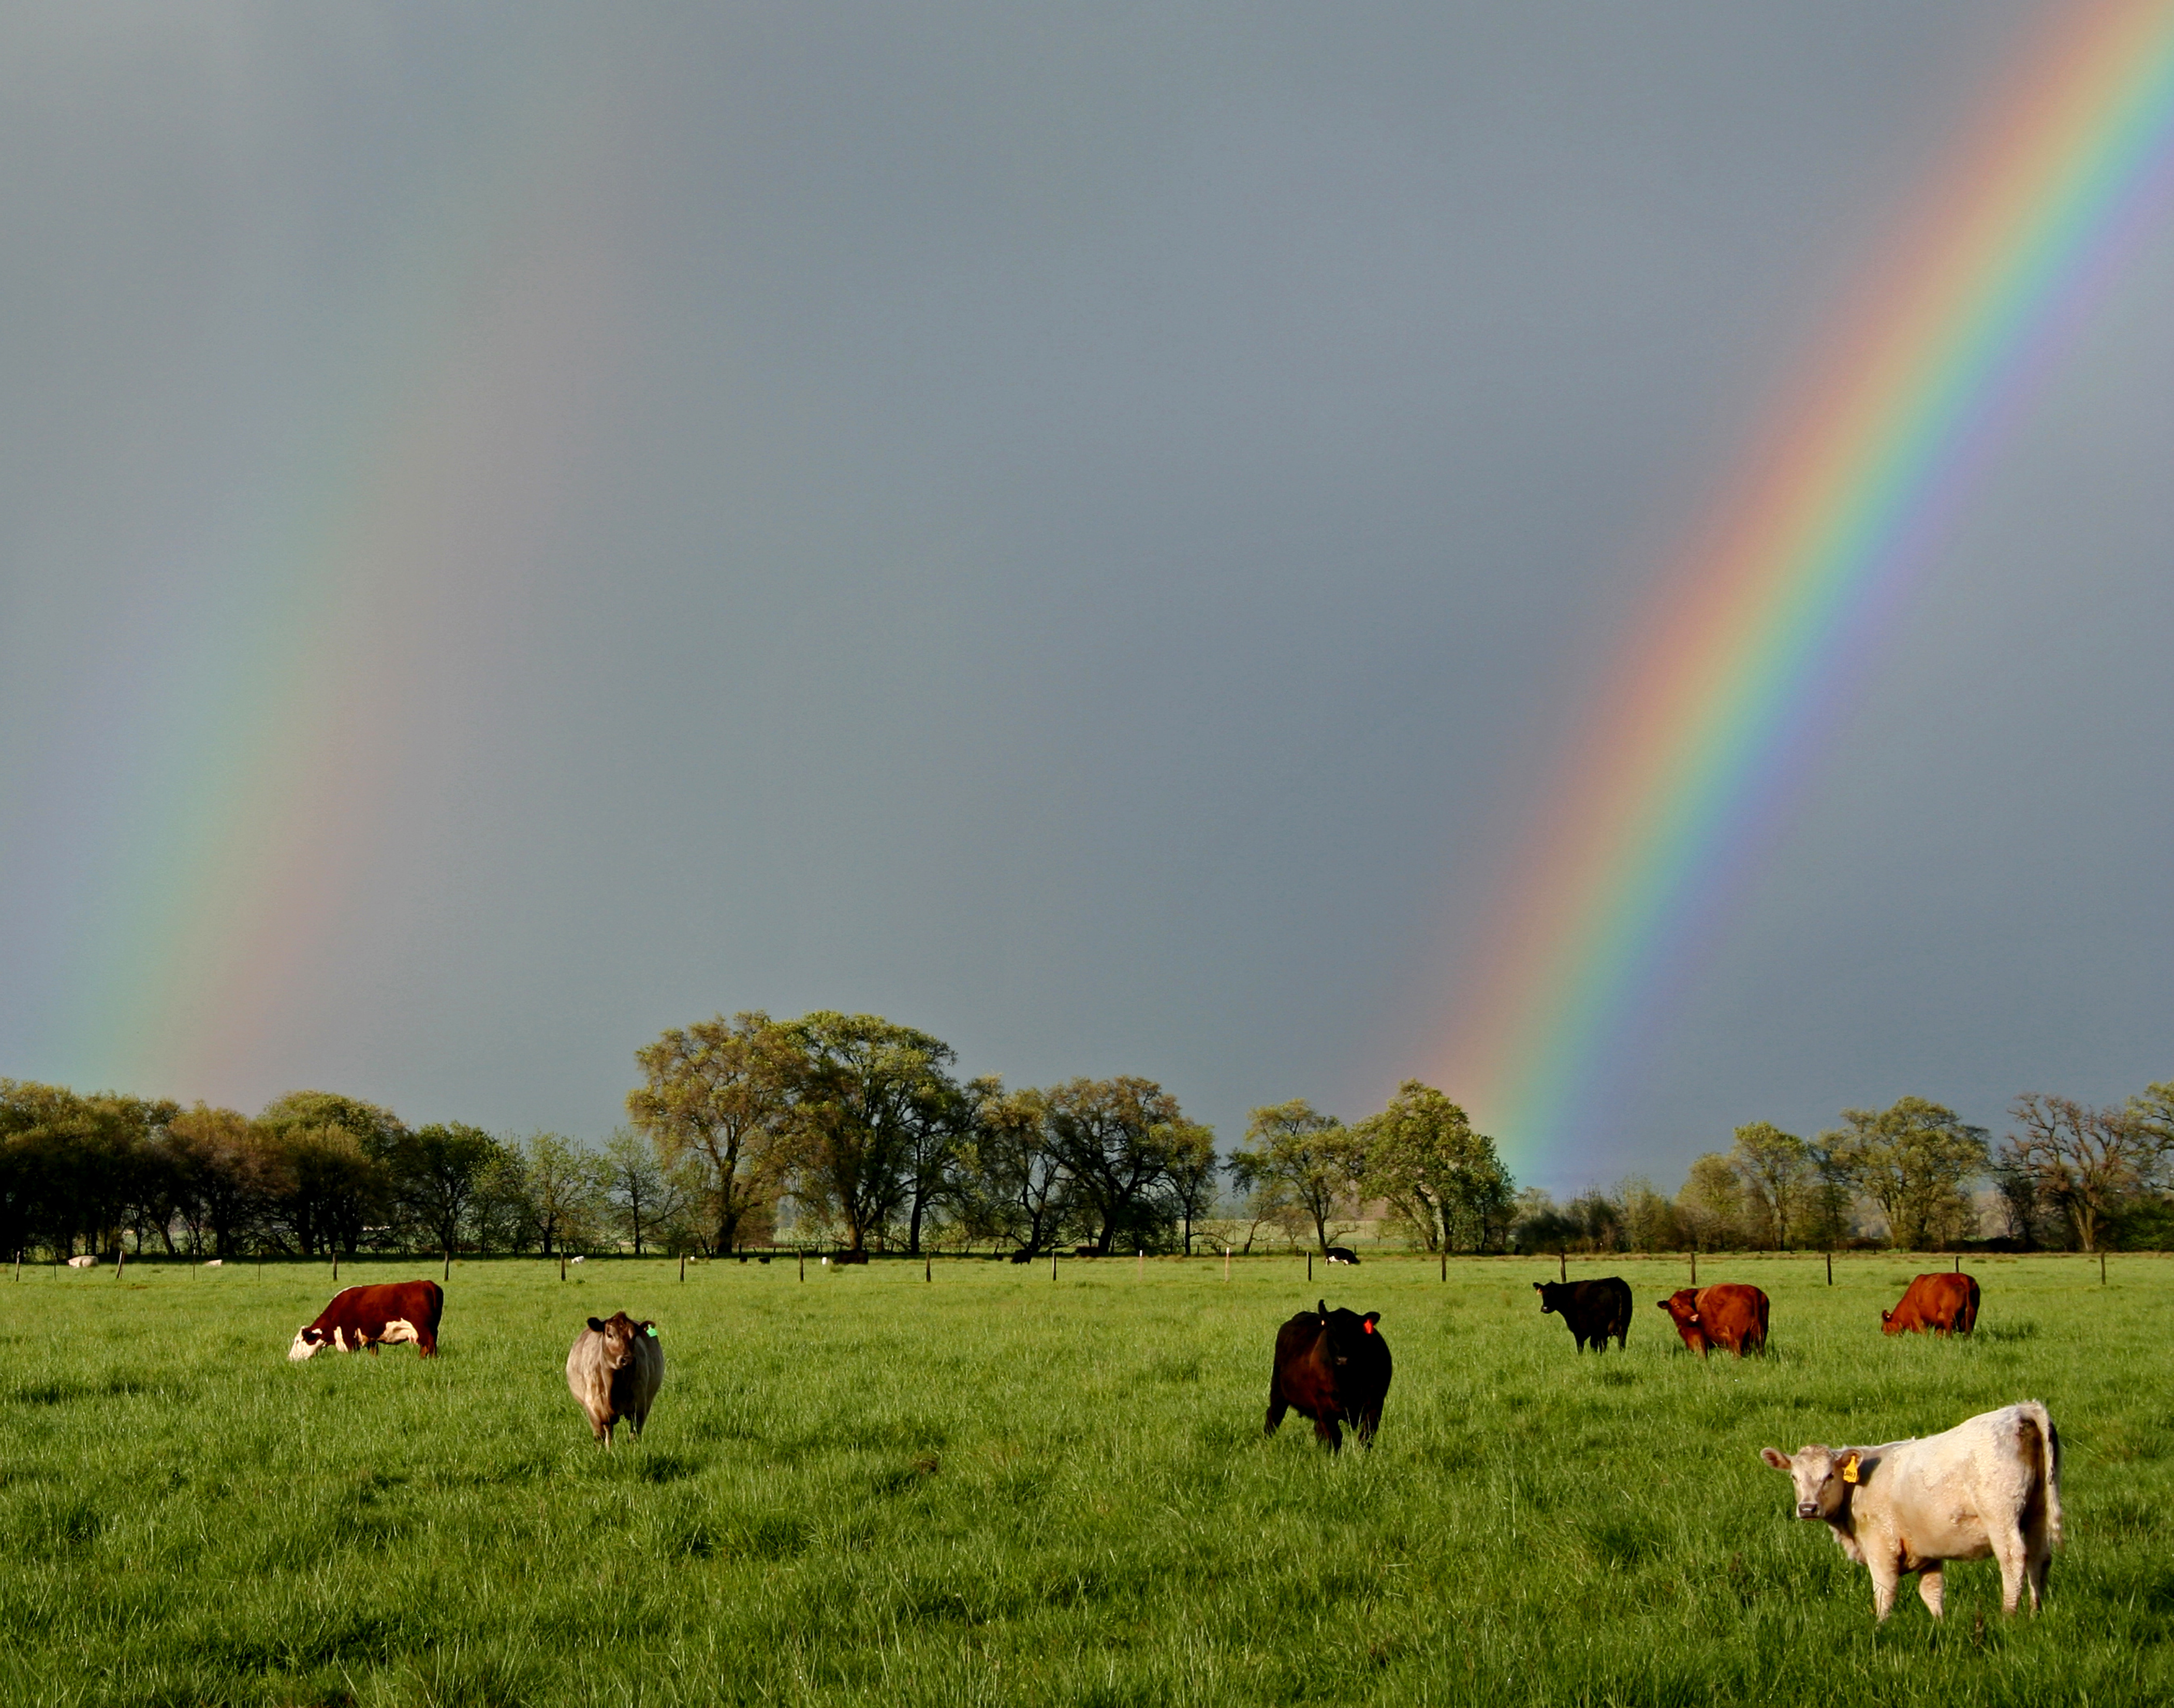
(1706, 720)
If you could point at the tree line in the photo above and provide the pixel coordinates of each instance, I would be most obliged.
(2067, 1177)
(853, 1132)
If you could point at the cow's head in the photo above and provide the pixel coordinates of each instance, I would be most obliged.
(308, 1344)
(1552, 1295)
(1888, 1324)
(1823, 1476)
(1345, 1332)
(620, 1333)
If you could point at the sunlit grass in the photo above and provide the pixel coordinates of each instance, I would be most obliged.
(996, 1487)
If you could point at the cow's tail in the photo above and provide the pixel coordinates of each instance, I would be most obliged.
(2049, 1463)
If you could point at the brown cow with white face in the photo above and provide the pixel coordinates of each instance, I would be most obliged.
(396, 1313)
(1991, 1485)
(614, 1370)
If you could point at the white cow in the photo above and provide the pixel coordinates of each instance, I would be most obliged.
(85, 1262)
(1991, 1485)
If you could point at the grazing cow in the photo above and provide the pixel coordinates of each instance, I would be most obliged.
(1330, 1365)
(1731, 1317)
(215, 1262)
(614, 1370)
(390, 1315)
(1342, 1254)
(1946, 1304)
(83, 1263)
(1594, 1310)
(1991, 1485)
(576, 1258)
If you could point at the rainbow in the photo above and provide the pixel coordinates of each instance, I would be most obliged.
(319, 649)
(1702, 727)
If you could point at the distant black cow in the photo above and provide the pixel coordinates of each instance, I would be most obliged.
(1330, 1365)
(1594, 1310)
(1342, 1254)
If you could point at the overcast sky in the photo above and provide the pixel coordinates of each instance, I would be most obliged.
(1073, 528)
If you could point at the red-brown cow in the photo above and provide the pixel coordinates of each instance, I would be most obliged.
(391, 1314)
(1946, 1304)
(1731, 1317)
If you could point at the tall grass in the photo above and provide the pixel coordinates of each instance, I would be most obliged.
(993, 1487)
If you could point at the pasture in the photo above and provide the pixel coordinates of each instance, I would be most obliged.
(996, 1487)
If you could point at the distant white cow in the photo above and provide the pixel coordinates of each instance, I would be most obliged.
(1991, 1485)
(215, 1262)
(84, 1262)
(576, 1258)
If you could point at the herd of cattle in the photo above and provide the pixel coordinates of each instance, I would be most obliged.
(1990, 1486)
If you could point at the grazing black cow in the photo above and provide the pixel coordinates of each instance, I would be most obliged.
(1342, 1254)
(1330, 1365)
(1594, 1310)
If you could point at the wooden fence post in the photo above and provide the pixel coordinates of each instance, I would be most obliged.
(683, 1269)
(120, 1262)
(2101, 1269)
(449, 1262)
(335, 1266)
(1694, 1266)
(1830, 1268)
(927, 1268)
(1562, 1266)
(1052, 1262)
(1226, 1262)
(1309, 1269)
(1445, 1262)
(804, 1262)
(562, 1265)
(1143, 1263)
(1959, 1262)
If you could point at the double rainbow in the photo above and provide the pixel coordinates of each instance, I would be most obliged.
(1724, 684)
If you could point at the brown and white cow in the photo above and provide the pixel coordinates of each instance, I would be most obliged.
(614, 1370)
(1730, 1316)
(1944, 1303)
(1991, 1485)
(392, 1313)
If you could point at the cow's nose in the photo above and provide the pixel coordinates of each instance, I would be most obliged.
(1808, 1509)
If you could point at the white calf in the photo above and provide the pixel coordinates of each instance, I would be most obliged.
(1991, 1485)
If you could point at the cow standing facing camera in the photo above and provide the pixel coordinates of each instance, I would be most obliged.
(1991, 1485)
(614, 1370)
(1330, 1365)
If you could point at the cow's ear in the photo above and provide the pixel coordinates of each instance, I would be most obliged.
(595, 1326)
(1774, 1456)
(1322, 1305)
(1370, 1319)
(1537, 1286)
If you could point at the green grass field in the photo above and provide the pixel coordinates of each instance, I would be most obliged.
(994, 1488)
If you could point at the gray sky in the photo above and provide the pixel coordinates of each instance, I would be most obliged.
(1077, 528)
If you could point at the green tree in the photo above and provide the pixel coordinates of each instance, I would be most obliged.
(635, 1185)
(1711, 1204)
(439, 1173)
(1192, 1169)
(1315, 1157)
(2090, 1164)
(1115, 1138)
(564, 1189)
(719, 1093)
(876, 1118)
(214, 1162)
(1017, 1187)
(1442, 1180)
(1774, 1167)
(1912, 1159)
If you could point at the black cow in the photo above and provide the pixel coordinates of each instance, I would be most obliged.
(1594, 1310)
(1330, 1365)
(1342, 1254)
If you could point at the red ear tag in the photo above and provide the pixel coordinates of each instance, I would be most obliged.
(1369, 1328)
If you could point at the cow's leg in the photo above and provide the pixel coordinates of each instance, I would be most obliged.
(373, 1348)
(1325, 1430)
(2009, 1549)
(1367, 1424)
(1885, 1576)
(2037, 1556)
(1278, 1405)
(1931, 1586)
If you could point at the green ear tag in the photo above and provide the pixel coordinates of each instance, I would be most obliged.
(651, 1333)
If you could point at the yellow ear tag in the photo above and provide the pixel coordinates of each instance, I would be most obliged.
(1849, 1469)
